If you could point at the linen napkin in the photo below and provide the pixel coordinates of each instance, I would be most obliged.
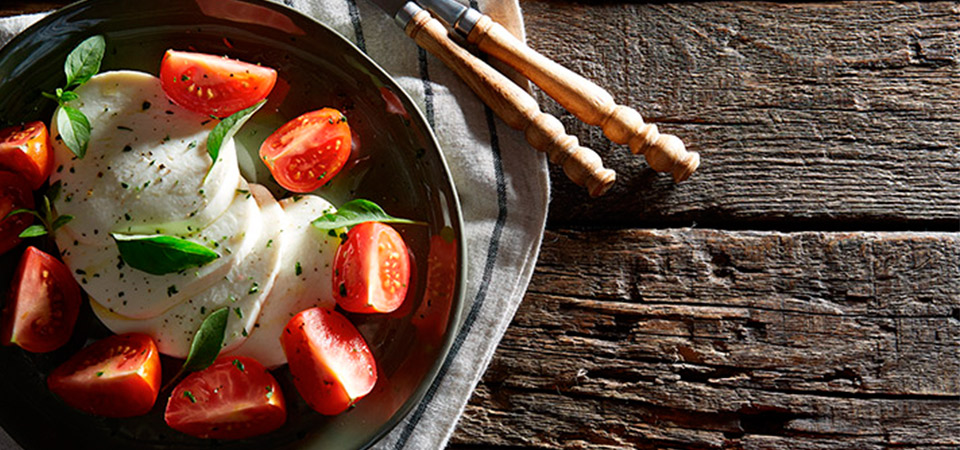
(503, 186)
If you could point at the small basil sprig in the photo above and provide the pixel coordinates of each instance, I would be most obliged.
(82, 64)
(206, 344)
(226, 129)
(49, 219)
(356, 212)
(159, 254)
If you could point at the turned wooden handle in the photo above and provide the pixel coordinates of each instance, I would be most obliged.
(514, 105)
(589, 102)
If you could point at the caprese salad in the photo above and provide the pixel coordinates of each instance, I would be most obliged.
(178, 254)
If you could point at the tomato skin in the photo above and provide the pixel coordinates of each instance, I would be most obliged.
(371, 269)
(25, 149)
(14, 194)
(210, 84)
(332, 366)
(114, 377)
(43, 305)
(434, 311)
(308, 151)
(234, 398)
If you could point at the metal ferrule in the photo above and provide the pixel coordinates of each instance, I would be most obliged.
(468, 20)
(457, 16)
(405, 15)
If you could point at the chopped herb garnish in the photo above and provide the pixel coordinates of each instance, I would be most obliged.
(190, 396)
(239, 365)
(100, 373)
(254, 288)
(298, 268)
(121, 127)
(239, 312)
(172, 289)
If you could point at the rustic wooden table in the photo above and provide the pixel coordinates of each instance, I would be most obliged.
(800, 291)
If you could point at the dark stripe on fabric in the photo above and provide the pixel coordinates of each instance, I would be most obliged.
(492, 250)
(357, 27)
(427, 86)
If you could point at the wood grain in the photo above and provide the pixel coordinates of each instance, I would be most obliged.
(704, 339)
(807, 116)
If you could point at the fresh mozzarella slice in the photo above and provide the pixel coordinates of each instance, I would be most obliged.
(133, 293)
(304, 281)
(243, 290)
(145, 169)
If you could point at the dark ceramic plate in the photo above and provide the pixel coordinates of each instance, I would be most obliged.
(400, 167)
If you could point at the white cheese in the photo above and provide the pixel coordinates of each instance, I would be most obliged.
(309, 252)
(146, 164)
(243, 289)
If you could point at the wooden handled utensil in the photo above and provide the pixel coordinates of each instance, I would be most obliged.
(587, 101)
(510, 102)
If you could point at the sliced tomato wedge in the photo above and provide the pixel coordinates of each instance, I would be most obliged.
(308, 151)
(434, 311)
(371, 269)
(114, 377)
(25, 149)
(211, 84)
(43, 305)
(14, 194)
(234, 398)
(332, 366)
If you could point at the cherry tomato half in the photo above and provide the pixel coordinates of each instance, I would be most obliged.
(332, 366)
(371, 269)
(308, 151)
(114, 377)
(14, 194)
(216, 85)
(234, 398)
(43, 305)
(25, 149)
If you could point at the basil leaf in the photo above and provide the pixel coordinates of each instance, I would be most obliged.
(24, 211)
(54, 191)
(159, 254)
(84, 61)
(356, 212)
(68, 96)
(207, 342)
(60, 221)
(33, 231)
(74, 129)
(227, 128)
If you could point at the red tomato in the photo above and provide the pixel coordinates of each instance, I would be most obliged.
(308, 151)
(216, 85)
(25, 149)
(234, 398)
(43, 305)
(332, 366)
(14, 194)
(114, 377)
(371, 269)
(434, 311)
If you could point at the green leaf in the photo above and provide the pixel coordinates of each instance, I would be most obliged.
(207, 342)
(24, 211)
(68, 96)
(159, 254)
(61, 221)
(84, 61)
(228, 127)
(53, 191)
(356, 212)
(33, 231)
(74, 129)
